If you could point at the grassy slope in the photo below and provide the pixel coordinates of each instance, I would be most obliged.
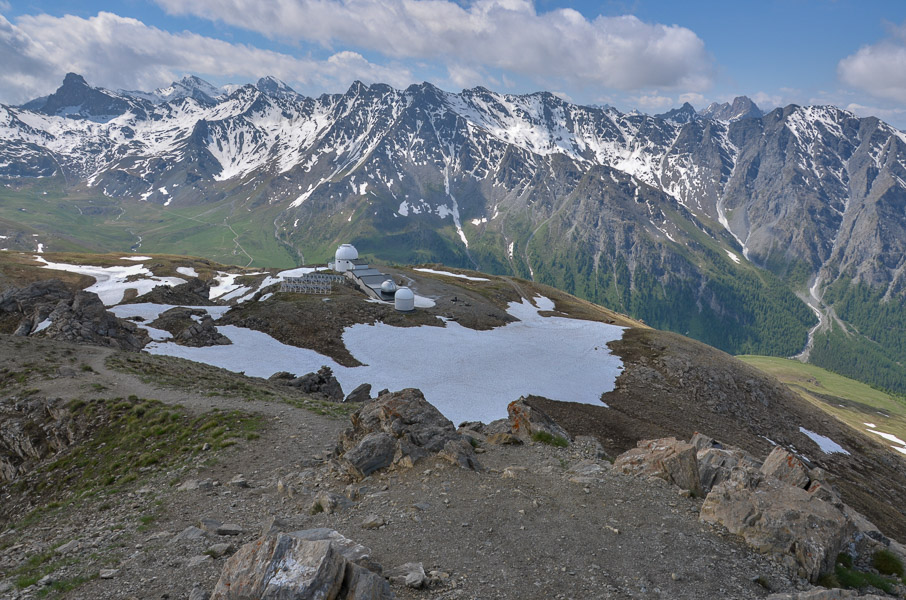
(851, 401)
(89, 222)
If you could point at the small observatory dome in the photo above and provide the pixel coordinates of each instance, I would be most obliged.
(404, 299)
(388, 287)
(344, 256)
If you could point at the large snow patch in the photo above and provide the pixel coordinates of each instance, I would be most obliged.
(468, 375)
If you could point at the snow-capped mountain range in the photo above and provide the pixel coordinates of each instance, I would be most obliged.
(606, 204)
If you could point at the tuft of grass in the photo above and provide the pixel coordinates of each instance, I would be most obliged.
(845, 576)
(550, 439)
(887, 563)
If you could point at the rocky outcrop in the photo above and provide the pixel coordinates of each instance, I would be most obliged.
(191, 327)
(526, 422)
(49, 309)
(668, 459)
(311, 564)
(32, 430)
(194, 292)
(716, 461)
(786, 466)
(775, 517)
(780, 506)
(361, 394)
(321, 383)
(401, 428)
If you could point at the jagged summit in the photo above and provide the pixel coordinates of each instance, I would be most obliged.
(741, 108)
(75, 98)
(684, 114)
(274, 87)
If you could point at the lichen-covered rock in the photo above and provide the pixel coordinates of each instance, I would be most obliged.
(314, 564)
(407, 424)
(667, 458)
(774, 517)
(526, 421)
(786, 467)
(716, 461)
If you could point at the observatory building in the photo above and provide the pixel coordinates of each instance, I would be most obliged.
(371, 281)
(404, 300)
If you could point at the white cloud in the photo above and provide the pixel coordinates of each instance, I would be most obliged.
(879, 69)
(654, 102)
(118, 52)
(767, 101)
(891, 115)
(693, 98)
(508, 35)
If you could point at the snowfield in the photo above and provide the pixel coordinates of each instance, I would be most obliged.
(468, 375)
(111, 282)
(449, 274)
(827, 445)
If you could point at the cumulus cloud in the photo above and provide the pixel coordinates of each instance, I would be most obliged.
(879, 69)
(118, 52)
(653, 102)
(562, 45)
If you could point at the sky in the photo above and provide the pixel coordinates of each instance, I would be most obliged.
(650, 55)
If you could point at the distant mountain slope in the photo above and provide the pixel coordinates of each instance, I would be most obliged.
(707, 224)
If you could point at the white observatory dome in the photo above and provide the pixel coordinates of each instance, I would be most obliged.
(404, 299)
(388, 287)
(346, 252)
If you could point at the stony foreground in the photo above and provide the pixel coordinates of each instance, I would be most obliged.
(521, 520)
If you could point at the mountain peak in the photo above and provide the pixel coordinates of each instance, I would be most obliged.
(742, 108)
(75, 98)
(684, 114)
(74, 79)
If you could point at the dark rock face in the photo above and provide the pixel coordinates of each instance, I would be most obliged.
(322, 383)
(49, 309)
(191, 327)
(361, 394)
(32, 430)
(401, 428)
(194, 292)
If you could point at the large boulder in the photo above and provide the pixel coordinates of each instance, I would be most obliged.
(667, 458)
(400, 428)
(320, 383)
(191, 327)
(775, 517)
(527, 422)
(787, 467)
(717, 461)
(306, 565)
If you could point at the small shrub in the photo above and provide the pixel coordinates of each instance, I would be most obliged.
(87, 368)
(887, 563)
(845, 559)
(550, 439)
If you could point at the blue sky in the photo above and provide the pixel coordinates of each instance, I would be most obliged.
(645, 54)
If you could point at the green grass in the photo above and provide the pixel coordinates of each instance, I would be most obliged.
(853, 402)
(846, 576)
(550, 439)
(137, 434)
(887, 563)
